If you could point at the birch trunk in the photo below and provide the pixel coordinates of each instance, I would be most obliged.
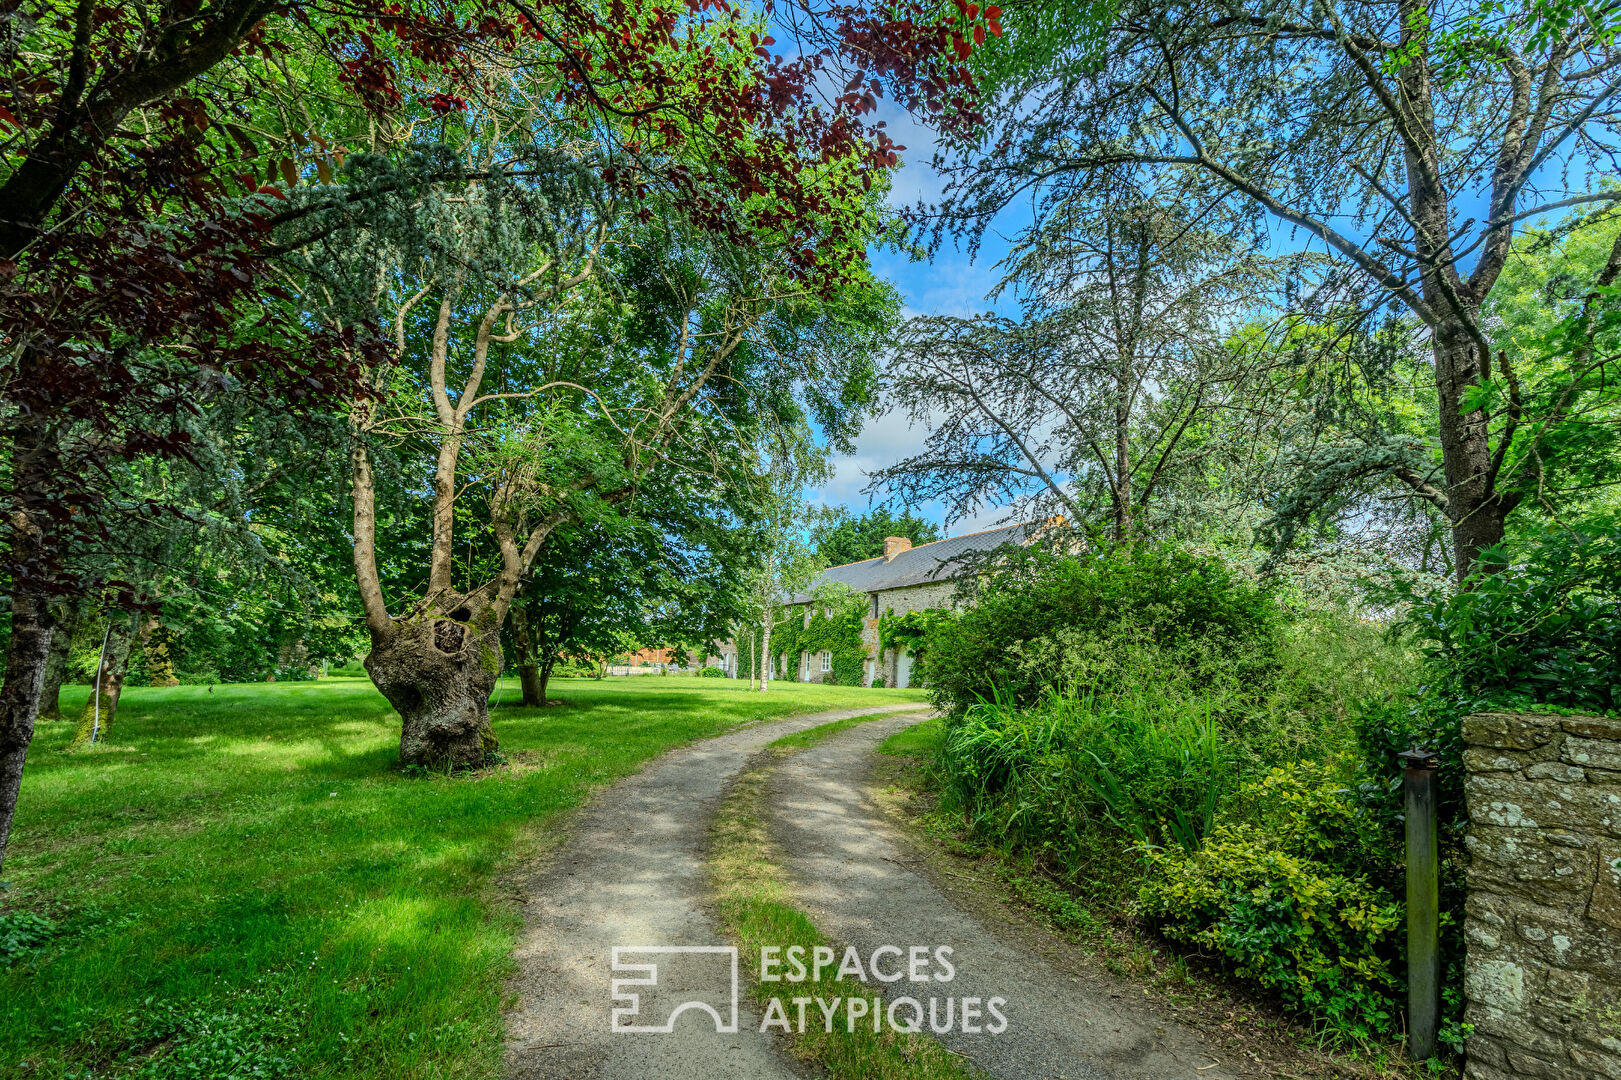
(765, 652)
(107, 684)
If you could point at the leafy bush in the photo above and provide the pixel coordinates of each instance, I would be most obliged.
(573, 668)
(21, 933)
(1043, 619)
(1121, 718)
(1541, 629)
(711, 673)
(1534, 630)
(1286, 900)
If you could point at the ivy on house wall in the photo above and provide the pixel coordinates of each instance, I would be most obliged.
(835, 627)
(910, 632)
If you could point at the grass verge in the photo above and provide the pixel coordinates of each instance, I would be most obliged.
(799, 740)
(756, 909)
(241, 883)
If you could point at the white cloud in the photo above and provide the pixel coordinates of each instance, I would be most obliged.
(949, 283)
(885, 441)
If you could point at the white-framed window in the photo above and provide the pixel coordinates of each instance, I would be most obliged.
(827, 660)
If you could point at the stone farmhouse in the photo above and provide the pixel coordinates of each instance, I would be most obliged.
(901, 580)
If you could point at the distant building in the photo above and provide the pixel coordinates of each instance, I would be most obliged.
(901, 580)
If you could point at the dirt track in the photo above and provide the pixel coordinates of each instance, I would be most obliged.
(861, 886)
(631, 874)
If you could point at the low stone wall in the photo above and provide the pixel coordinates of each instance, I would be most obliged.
(1543, 973)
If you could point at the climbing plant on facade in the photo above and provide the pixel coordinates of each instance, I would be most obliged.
(835, 626)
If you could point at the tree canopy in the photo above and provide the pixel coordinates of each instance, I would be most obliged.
(1364, 133)
(843, 537)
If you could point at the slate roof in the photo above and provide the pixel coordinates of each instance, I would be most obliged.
(943, 560)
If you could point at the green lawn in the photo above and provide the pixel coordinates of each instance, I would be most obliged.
(242, 884)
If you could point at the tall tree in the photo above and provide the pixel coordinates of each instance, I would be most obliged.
(1084, 402)
(1370, 129)
(785, 559)
(134, 222)
(553, 352)
(661, 572)
(845, 538)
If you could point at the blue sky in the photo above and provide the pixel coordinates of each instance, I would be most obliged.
(949, 284)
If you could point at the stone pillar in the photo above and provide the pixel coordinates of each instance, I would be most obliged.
(1543, 925)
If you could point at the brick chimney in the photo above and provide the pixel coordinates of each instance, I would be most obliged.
(894, 545)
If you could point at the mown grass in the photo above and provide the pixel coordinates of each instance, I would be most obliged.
(755, 903)
(243, 884)
(799, 740)
(920, 740)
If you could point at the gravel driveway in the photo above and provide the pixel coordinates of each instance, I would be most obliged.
(631, 874)
(862, 885)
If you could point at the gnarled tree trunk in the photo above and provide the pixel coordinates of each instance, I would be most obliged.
(56, 663)
(437, 668)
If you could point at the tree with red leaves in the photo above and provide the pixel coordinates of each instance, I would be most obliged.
(138, 211)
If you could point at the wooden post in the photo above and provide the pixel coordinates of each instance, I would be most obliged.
(1423, 903)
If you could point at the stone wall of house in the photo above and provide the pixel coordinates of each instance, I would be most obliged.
(1543, 971)
(932, 594)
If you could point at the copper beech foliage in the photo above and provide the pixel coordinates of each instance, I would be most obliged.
(136, 205)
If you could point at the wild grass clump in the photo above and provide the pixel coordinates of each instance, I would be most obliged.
(1079, 768)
